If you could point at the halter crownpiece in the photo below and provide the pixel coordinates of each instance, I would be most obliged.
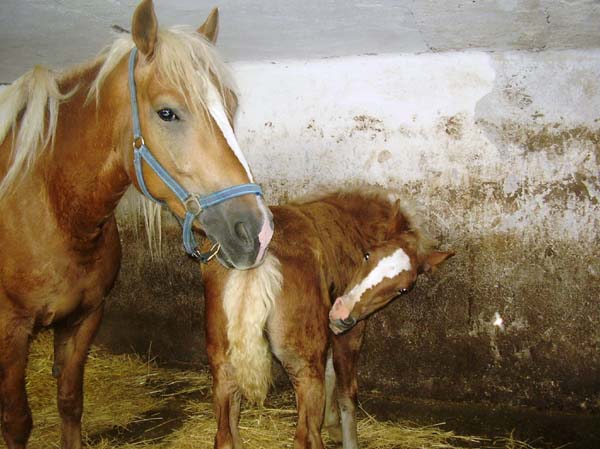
(193, 203)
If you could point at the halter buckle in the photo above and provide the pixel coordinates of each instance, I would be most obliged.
(138, 140)
(192, 205)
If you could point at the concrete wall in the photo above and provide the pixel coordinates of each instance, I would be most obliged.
(500, 154)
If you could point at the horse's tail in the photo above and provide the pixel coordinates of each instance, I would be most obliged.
(248, 298)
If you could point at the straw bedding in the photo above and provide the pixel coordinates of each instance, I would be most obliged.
(130, 404)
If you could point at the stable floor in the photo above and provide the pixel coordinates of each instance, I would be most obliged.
(131, 403)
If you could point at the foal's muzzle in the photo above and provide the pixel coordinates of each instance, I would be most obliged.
(341, 326)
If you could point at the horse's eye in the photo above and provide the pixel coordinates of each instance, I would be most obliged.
(367, 255)
(402, 291)
(167, 115)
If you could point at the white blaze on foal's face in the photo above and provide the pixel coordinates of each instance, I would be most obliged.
(389, 267)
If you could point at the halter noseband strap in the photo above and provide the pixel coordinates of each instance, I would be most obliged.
(193, 203)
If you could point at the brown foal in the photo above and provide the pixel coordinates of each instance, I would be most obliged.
(360, 248)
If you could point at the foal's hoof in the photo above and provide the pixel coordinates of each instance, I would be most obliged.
(335, 433)
(55, 371)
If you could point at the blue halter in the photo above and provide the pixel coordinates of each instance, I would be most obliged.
(193, 203)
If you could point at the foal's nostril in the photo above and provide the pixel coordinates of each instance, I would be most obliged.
(241, 231)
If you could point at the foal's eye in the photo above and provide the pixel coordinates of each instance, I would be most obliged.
(402, 291)
(366, 256)
(167, 115)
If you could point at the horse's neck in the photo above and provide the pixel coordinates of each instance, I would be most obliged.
(85, 173)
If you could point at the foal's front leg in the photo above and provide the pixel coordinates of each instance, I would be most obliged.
(346, 349)
(71, 345)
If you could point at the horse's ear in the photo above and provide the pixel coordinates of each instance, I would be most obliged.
(210, 27)
(144, 28)
(433, 259)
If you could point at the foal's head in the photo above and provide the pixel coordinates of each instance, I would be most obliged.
(389, 270)
(186, 104)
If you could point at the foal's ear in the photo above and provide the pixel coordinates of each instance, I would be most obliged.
(144, 28)
(435, 258)
(394, 226)
(210, 27)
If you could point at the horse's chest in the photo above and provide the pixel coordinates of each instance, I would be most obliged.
(63, 281)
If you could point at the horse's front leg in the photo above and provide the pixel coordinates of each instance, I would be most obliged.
(71, 345)
(346, 348)
(14, 344)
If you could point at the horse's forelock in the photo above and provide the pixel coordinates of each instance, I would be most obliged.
(190, 63)
(183, 58)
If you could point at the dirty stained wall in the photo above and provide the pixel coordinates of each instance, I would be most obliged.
(499, 152)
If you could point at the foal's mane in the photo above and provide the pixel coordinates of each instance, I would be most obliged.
(368, 202)
(182, 56)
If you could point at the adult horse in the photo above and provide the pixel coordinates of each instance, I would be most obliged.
(319, 252)
(66, 158)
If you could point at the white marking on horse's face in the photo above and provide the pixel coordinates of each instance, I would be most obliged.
(388, 267)
(214, 104)
(217, 111)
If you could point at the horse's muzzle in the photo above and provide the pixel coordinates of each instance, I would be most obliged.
(243, 227)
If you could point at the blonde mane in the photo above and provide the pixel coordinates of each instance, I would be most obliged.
(34, 99)
(182, 56)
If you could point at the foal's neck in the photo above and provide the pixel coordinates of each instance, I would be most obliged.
(343, 245)
(87, 176)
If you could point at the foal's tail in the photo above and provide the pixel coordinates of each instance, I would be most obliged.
(248, 298)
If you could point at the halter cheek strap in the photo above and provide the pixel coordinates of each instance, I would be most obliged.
(193, 203)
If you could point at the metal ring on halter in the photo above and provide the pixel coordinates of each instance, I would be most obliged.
(196, 208)
(207, 256)
(139, 140)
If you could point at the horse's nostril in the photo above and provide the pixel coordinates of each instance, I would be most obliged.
(241, 231)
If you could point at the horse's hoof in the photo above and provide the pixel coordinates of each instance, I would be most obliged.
(55, 371)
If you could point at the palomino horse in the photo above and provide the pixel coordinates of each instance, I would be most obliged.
(66, 158)
(318, 253)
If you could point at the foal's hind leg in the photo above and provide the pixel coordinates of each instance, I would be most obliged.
(227, 402)
(226, 396)
(332, 410)
(310, 400)
(346, 349)
(14, 344)
(71, 345)
(303, 358)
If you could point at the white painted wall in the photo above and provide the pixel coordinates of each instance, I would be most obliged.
(430, 123)
(60, 33)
